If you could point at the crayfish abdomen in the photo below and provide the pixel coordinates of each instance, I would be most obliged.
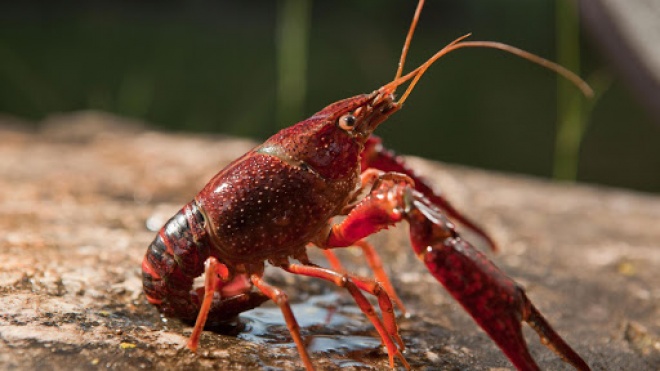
(173, 260)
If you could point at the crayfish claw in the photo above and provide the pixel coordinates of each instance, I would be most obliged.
(376, 156)
(494, 300)
(550, 338)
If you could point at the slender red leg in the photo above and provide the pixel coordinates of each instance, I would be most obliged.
(376, 156)
(385, 304)
(376, 266)
(493, 299)
(334, 261)
(280, 298)
(354, 285)
(223, 298)
(210, 283)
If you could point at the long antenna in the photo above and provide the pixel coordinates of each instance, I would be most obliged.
(406, 44)
(392, 85)
(458, 44)
(417, 73)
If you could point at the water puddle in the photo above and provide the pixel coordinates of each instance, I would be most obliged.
(326, 327)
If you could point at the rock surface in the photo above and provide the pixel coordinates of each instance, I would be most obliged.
(80, 200)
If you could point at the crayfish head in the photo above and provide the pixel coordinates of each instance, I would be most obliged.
(331, 140)
(379, 107)
(359, 116)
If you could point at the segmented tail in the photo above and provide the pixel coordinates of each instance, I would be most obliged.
(172, 262)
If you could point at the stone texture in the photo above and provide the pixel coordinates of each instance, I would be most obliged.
(81, 197)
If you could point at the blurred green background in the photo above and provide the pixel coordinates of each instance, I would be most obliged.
(249, 68)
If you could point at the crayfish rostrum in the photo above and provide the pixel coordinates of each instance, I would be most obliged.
(281, 197)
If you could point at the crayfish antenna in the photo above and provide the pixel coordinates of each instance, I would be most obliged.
(417, 72)
(406, 44)
(459, 44)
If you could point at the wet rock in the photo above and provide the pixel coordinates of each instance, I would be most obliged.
(77, 210)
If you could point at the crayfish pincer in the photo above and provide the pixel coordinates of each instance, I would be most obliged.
(281, 197)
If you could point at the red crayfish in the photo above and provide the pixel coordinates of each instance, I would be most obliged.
(280, 197)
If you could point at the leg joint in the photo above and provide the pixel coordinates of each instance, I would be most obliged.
(280, 298)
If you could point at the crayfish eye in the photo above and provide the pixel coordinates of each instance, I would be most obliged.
(347, 122)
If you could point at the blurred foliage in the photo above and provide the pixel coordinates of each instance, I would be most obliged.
(210, 66)
(571, 118)
(292, 50)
